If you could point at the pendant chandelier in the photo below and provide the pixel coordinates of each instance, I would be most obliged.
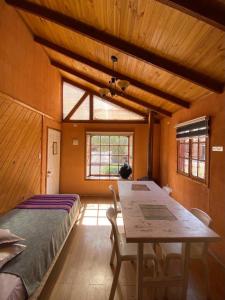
(116, 85)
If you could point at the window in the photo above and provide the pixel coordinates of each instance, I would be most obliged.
(192, 148)
(106, 153)
(80, 106)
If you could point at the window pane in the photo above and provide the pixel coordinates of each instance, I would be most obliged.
(201, 169)
(95, 140)
(104, 170)
(105, 140)
(195, 150)
(95, 159)
(202, 148)
(95, 150)
(202, 139)
(82, 113)
(104, 110)
(123, 140)
(104, 159)
(114, 150)
(123, 159)
(94, 170)
(186, 166)
(184, 150)
(181, 164)
(194, 166)
(114, 170)
(123, 149)
(114, 159)
(71, 95)
(114, 140)
(105, 150)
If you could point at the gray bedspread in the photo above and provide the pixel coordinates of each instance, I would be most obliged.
(44, 231)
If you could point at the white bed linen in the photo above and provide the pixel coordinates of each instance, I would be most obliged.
(11, 287)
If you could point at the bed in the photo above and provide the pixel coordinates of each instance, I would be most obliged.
(45, 222)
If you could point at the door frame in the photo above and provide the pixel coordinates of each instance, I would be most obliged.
(46, 158)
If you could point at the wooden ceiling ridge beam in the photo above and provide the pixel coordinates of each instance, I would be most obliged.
(120, 45)
(206, 10)
(99, 67)
(107, 98)
(102, 85)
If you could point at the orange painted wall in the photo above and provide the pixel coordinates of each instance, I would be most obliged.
(73, 157)
(27, 76)
(26, 73)
(189, 192)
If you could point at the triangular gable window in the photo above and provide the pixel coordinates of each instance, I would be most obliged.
(104, 110)
(80, 105)
(71, 96)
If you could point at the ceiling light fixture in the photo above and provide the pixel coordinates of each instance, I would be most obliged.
(116, 85)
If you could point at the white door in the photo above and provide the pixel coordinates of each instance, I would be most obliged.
(53, 161)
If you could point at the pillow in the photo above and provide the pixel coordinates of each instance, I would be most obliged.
(6, 237)
(9, 252)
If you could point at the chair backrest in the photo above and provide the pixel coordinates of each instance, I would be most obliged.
(202, 216)
(199, 250)
(111, 188)
(111, 215)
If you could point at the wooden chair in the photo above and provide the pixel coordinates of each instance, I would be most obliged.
(171, 251)
(125, 251)
(116, 205)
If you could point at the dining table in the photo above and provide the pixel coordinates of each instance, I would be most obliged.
(150, 215)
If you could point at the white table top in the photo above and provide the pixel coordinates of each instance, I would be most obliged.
(184, 227)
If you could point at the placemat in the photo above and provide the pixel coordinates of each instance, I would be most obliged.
(140, 187)
(156, 212)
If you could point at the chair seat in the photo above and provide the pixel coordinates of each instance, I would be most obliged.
(174, 250)
(129, 250)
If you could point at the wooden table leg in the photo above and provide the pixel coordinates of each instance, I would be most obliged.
(186, 258)
(139, 279)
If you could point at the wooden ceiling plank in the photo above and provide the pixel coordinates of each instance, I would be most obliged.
(119, 44)
(102, 68)
(206, 10)
(76, 106)
(102, 85)
(108, 98)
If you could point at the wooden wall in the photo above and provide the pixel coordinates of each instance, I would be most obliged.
(210, 198)
(20, 147)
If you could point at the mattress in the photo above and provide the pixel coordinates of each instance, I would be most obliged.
(14, 286)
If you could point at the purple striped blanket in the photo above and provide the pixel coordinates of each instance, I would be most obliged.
(57, 201)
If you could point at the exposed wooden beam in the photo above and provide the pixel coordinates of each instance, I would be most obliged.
(119, 44)
(109, 99)
(102, 85)
(209, 11)
(76, 106)
(102, 68)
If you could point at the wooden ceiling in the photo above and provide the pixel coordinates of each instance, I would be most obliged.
(171, 54)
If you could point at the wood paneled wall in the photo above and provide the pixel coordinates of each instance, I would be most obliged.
(20, 148)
